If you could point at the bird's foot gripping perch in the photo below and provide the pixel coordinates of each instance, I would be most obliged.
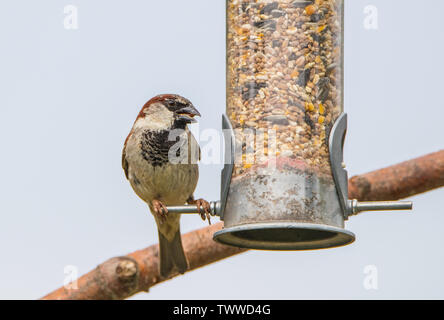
(203, 208)
(205, 205)
(160, 210)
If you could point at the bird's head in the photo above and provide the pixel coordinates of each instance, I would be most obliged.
(167, 111)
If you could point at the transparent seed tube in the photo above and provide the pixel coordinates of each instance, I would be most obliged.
(284, 74)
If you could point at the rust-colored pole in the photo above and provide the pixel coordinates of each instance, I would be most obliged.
(400, 181)
(122, 277)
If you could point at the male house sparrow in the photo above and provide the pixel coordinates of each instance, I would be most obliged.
(147, 161)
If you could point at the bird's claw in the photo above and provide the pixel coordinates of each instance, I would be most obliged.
(205, 205)
(160, 210)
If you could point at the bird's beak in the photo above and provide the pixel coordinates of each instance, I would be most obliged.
(187, 114)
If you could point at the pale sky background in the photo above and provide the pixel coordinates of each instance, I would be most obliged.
(69, 98)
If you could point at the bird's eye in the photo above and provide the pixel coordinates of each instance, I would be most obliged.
(180, 104)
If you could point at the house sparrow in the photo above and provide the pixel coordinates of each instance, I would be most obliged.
(160, 161)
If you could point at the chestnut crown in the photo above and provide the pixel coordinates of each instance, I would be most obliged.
(180, 108)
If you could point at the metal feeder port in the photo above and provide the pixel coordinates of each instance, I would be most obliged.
(284, 185)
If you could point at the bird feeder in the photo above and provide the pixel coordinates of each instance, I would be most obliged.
(284, 184)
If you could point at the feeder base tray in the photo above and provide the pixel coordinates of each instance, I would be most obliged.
(284, 236)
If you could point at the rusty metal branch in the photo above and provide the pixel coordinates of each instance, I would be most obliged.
(122, 277)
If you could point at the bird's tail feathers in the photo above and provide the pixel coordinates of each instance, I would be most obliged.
(172, 255)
